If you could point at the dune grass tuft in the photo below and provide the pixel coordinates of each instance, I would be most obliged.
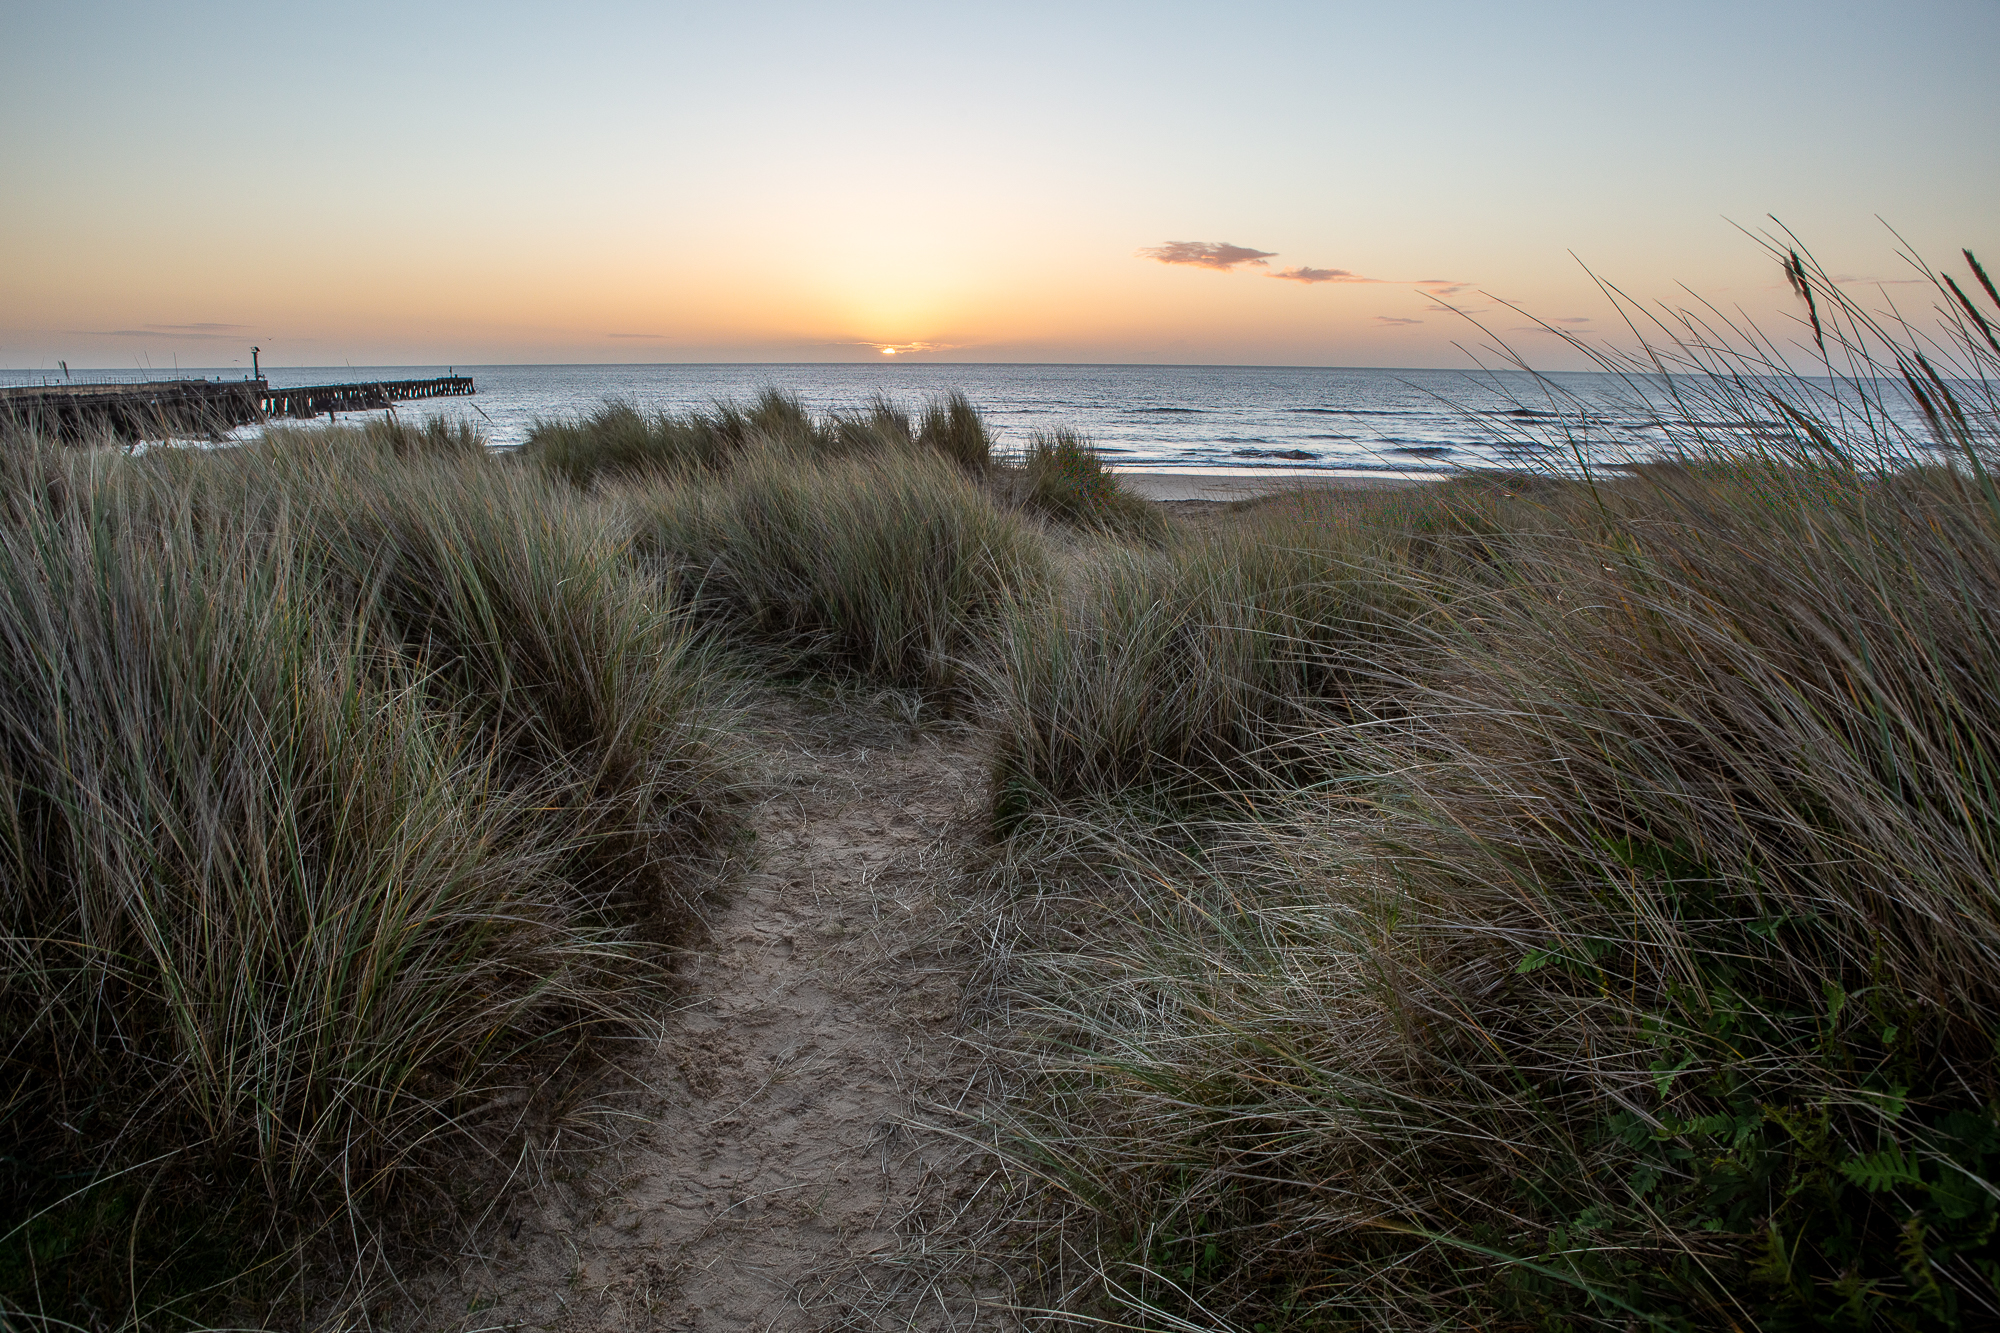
(618, 440)
(523, 610)
(1184, 673)
(434, 437)
(1064, 478)
(892, 564)
(952, 427)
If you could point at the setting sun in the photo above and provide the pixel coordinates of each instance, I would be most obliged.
(888, 351)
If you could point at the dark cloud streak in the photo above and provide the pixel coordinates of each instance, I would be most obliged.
(1218, 255)
(1304, 274)
(1222, 256)
(174, 332)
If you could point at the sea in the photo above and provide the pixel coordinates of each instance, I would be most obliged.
(1216, 420)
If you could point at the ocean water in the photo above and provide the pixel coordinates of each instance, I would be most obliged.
(1207, 419)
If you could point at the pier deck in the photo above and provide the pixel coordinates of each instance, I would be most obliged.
(166, 408)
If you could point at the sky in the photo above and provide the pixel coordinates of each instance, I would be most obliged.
(1338, 184)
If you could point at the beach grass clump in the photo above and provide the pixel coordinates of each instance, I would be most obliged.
(433, 437)
(1771, 703)
(522, 610)
(1645, 968)
(953, 428)
(1648, 963)
(1188, 671)
(879, 425)
(618, 440)
(1063, 477)
(351, 789)
(893, 565)
(948, 426)
(272, 926)
(391, 436)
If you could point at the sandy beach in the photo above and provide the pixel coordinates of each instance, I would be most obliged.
(1182, 486)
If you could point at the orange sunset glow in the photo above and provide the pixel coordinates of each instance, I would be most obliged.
(528, 188)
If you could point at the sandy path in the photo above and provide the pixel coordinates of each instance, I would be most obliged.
(786, 1172)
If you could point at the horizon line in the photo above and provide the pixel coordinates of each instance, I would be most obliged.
(182, 371)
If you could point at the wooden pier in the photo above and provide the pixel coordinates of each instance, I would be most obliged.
(329, 398)
(180, 408)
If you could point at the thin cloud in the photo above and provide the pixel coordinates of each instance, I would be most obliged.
(1396, 321)
(1575, 319)
(1218, 255)
(154, 331)
(1438, 287)
(199, 328)
(1303, 274)
(1225, 257)
(889, 346)
(1454, 310)
(636, 335)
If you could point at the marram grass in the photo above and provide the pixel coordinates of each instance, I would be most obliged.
(1063, 477)
(893, 564)
(521, 608)
(301, 867)
(1169, 672)
(620, 441)
(1639, 967)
